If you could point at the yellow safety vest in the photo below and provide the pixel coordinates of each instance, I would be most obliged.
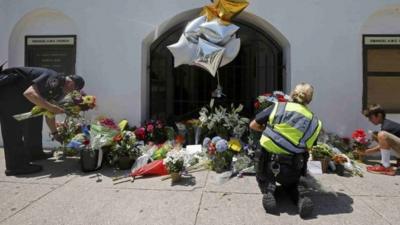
(292, 128)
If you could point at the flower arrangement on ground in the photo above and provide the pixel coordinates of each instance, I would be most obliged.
(223, 122)
(360, 143)
(66, 131)
(152, 131)
(218, 152)
(174, 162)
(124, 150)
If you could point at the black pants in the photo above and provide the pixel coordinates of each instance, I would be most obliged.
(19, 137)
(288, 176)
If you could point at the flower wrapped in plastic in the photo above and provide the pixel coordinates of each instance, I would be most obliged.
(265, 100)
(73, 103)
(102, 132)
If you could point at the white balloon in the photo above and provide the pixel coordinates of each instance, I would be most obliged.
(192, 29)
(218, 33)
(208, 56)
(183, 51)
(231, 50)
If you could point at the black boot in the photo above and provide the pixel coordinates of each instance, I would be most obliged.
(306, 207)
(28, 169)
(269, 201)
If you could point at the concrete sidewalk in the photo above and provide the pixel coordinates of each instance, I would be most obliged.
(61, 194)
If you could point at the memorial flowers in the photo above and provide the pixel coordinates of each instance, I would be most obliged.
(223, 122)
(73, 103)
(267, 99)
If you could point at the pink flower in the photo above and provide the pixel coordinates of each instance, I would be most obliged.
(150, 128)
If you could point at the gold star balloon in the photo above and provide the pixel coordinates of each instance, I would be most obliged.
(224, 9)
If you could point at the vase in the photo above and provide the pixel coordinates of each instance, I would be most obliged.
(89, 160)
(175, 177)
(340, 169)
(324, 163)
(357, 155)
(125, 162)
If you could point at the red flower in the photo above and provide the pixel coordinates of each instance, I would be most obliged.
(257, 104)
(359, 136)
(281, 98)
(109, 123)
(140, 133)
(86, 142)
(117, 138)
(211, 149)
(179, 139)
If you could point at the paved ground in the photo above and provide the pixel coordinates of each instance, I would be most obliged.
(61, 194)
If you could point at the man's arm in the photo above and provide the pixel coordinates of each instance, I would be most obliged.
(256, 126)
(51, 123)
(372, 150)
(32, 94)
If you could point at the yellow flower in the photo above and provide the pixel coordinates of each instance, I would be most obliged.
(234, 144)
(89, 99)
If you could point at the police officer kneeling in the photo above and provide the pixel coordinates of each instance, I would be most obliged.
(21, 88)
(289, 130)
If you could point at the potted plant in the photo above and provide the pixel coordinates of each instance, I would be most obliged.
(323, 153)
(219, 121)
(360, 143)
(174, 162)
(125, 150)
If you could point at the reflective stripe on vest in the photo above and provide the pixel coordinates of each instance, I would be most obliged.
(292, 128)
(281, 141)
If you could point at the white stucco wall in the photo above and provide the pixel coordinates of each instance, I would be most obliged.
(324, 47)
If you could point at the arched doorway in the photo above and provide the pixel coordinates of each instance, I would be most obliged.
(179, 93)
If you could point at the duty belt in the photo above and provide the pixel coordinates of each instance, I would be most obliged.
(296, 161)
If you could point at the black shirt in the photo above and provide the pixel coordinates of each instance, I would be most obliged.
(263, 116)
(391, 127)
(48, 82)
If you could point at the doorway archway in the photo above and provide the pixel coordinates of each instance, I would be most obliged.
(179, 93)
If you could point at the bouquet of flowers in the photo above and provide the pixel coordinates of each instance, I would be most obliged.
(154, 131)
(174, 161)
(265, 100)
(223, 122)
(321, 151)
(218, 152)
(102, 132)
(124, 146)
(360, 139)
(344, 162)
(66, 132)
(360, 143)
(73, 103)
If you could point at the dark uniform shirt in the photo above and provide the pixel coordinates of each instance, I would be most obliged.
(263, 116)
(391, 127)
(48, 82)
